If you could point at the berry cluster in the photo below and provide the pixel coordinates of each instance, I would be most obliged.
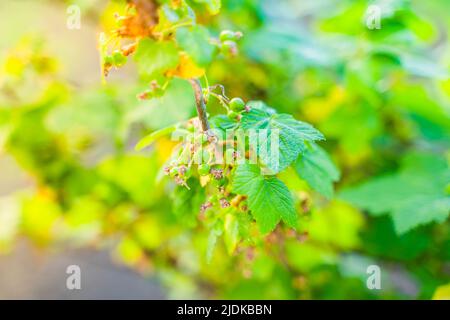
(228, 45)
(201, 156)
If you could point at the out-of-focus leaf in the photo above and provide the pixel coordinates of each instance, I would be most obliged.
(305, 257)
(149, 139)
(213, 6)
(195, 42)
(231, 232)
(155, 59)
(442, 293)
(338, 224)
(414, 196)
(134, 174)
(315, 166)
(176, 105)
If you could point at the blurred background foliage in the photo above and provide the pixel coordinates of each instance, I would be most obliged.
(381, 97)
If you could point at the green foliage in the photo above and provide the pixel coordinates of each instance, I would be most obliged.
(292, 136)
(315, 166)
(268, 198)
(240, 229)
(195, 42)
(155, 59)
(414, 196)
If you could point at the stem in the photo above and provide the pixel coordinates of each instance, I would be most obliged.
(200, 103)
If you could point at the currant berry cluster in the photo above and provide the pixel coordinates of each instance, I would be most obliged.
(201, 155)
(228, 45)
(155, 91)
(117, 58)
(236, 107)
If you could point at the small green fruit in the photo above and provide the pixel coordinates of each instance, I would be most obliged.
(220, 182)
(227, 35)
(174, 172)
(237, 104)
(118, 58)
(232, 114)
(229, 48)
(108, 60)
(243, 205)
(184, 171)
(204, 138)
(203, 169)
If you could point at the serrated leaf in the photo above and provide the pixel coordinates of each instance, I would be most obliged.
(222, 122)
(315, 167)
(260, 105)
(268, 198)
(154, 59)
(292, 135)
(414, 196)
(149, 139)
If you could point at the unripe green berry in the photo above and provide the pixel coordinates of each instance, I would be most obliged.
(190, 127)
(118, 58)
(232, 114)
(229, 48)
(243, 205)
(202, 156)
(108, 60)
(237, 104)
(184, 171)
(203, 169)
(220, 182)
(174, 172)
(227, 35)
(204, 138)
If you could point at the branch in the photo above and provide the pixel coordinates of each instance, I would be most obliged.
(200, 103)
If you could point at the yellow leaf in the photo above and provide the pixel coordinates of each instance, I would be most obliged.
(442, 293)
(318, 109)
(187, 69)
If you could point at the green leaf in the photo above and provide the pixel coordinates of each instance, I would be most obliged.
(222, 122)
(155, 58)
(177, 104)
(231, 232)
(195, 41)
(315, 166)
(149, 139)
(414, 196)
(292, 136)
(214, 234)
(170, 17)
(260, 105)
(186, 203)
(268, 198)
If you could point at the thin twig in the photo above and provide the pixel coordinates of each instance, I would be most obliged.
(200, 103)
